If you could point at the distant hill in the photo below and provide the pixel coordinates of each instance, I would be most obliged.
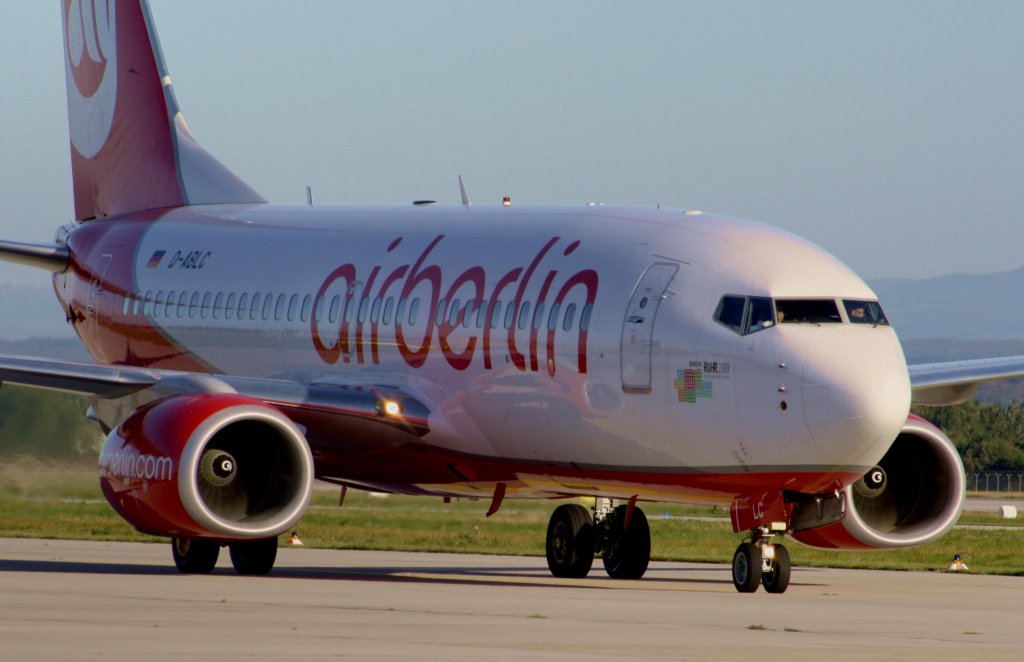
(967, 306)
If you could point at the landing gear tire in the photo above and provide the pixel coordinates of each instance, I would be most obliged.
(570, 541)
(629, 550)
(746, 568)
(776, 580)
(193, 556)
(255, 557)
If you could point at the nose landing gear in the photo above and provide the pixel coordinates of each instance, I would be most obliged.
(760, 562)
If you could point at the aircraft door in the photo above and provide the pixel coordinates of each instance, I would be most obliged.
(638, 326)
(93, 306)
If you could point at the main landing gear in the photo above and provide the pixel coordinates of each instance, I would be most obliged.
(250, 557)
(759, 562)
(620, 534)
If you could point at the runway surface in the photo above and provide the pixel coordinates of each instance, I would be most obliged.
(73, 600)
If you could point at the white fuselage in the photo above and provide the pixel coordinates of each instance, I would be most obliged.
(547, 337)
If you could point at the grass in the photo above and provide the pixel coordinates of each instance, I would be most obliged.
(45, 500)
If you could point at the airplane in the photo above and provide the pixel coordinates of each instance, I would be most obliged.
(633, 355)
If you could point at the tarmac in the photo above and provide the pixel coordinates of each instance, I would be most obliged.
(73, 600)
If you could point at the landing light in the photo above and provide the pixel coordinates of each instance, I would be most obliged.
(387, 408)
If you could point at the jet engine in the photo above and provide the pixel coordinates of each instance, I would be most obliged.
(913, 496)
(215, 466)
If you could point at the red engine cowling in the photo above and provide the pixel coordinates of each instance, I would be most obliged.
(912, 497)
(216, 466)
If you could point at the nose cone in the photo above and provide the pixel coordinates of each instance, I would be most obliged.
(856, 394)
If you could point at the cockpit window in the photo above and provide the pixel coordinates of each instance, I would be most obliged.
(813, 311)
(865, 312)
(745, 315)
(759, 314)
(730, 312)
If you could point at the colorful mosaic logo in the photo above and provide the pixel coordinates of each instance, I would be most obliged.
(690, 385)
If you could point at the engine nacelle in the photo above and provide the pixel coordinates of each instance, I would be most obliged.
(912, 497)
(217, 466)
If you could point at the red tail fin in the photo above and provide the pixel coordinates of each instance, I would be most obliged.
(130, 147)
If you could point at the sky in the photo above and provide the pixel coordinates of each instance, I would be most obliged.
(888, 133)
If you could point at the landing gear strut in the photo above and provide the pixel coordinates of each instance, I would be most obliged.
(623, 539)
(759, 562)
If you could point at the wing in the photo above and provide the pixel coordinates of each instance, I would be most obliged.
(954, 382)
(358, 403)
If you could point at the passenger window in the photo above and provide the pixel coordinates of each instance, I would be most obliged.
(229, 307)
(332, 314)
(538, 316)
(204, 309)
(524, 315)
(481, 314)
(453, 313)
(389, 307)
(218, 305)
(467, 315)
(307, 304)
(126, 305)
(268, 306)
(364, 306)
(553, 316)
(158, 305)
(243, 305)
(510, 314)
(254, 310)
(169, 309)
(147, 302)
(293, 307)
(570, 317)
(400, 311)
(810, 311)
(375, 311)
(439, 314)
(496, 315)
(182, 304)
(193, 305)
(279, 308)
(414, 309)
(585, 317)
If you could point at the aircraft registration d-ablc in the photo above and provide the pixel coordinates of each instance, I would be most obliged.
(629, 354)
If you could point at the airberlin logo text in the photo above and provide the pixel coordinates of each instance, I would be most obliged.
(128, 465)
(359, 339)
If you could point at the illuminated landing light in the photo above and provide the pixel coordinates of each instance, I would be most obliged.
(387, 408)
(693, 212)
(506, 201)
(295, 541)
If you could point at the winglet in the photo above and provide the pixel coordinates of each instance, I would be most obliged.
(130, 147)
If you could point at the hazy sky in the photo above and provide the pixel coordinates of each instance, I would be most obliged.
(890, 133)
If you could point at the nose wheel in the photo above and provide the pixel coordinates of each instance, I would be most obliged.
(761, 563)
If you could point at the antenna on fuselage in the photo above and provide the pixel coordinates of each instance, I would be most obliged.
(309, 196)
(462, 190)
